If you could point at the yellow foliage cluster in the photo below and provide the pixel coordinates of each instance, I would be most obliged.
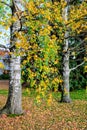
(85, 68)
(2, 65)
(43, 48)
(77, 20)
(22, 41)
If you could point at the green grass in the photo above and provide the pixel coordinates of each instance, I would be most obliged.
(3, 92)
(75, 95)
(79, 95)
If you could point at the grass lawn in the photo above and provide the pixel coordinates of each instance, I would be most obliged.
(75, 95)
(57, 116)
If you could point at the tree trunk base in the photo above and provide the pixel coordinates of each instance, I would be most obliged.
(4, 111)
(66, 100)
(7, 111)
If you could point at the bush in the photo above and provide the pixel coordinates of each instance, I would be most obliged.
(4, 76)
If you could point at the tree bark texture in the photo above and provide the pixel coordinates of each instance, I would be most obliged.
(66, 71)
(14, 100)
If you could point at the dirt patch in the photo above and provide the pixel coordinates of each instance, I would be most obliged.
(4, 84)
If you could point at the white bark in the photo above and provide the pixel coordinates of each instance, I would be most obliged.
(66, 72)
(14, 104)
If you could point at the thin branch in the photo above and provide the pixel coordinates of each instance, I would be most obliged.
(82, 49)
(70, 49)
(75, 60)
(2, 46)
(83, 17)
(6, 4)
(77, 66)
(77, 35)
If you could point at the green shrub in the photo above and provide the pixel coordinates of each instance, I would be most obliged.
(4, 76)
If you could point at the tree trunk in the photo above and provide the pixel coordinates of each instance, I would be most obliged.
(13, 104)
(66, 71)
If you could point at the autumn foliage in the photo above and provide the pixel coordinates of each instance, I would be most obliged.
(41, 41)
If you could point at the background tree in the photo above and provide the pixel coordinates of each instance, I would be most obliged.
(68, 47)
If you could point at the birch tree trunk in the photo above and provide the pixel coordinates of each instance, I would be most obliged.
(14, 103)
(66, 71)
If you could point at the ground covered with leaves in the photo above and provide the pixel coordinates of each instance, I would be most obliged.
(58, 116)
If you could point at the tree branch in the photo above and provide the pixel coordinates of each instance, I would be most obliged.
(2, 46)
(77, 66)
(6, 4)
(73, 48)
(83, 17)
(77, 35)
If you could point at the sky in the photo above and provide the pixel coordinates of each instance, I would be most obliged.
(4, 36)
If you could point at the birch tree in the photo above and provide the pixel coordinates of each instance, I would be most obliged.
(67, 50)
(14, 103)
